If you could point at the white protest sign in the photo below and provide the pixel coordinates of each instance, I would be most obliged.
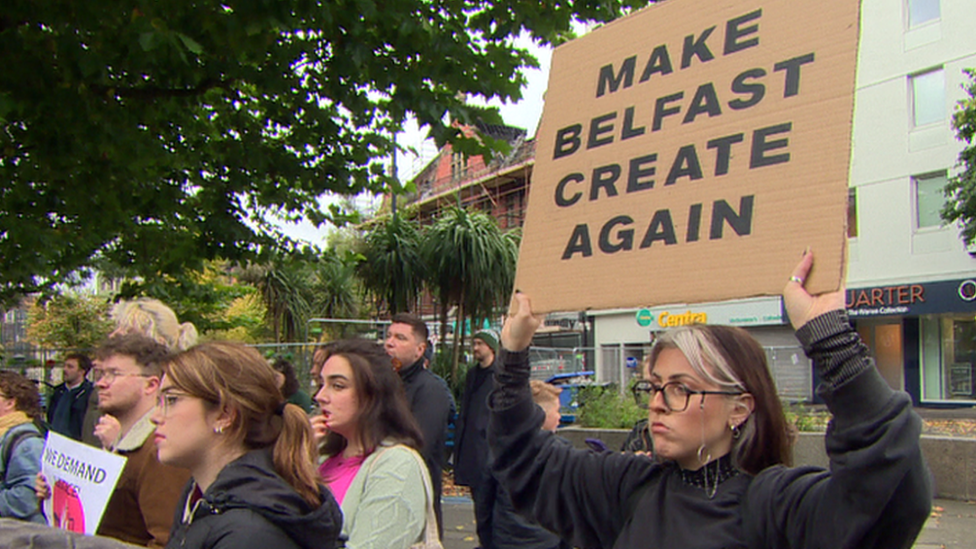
(82, 479)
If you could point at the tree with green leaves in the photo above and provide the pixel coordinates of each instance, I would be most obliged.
(210, 298)
(160, 134)
(286, 291)
(470, 265)
(392, 269)
(69, 322)
(961, 190)
(335, 290)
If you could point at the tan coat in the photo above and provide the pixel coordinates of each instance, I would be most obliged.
(142, 506)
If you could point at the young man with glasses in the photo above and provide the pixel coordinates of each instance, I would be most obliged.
(127, 374)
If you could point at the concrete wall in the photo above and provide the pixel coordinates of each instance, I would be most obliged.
(951, 460)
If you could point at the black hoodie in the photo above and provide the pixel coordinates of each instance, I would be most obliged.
(250, 506)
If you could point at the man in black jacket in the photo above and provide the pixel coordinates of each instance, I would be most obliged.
(69, 402)
(471, 464)
(429, 399)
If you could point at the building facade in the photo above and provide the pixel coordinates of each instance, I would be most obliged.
(911, 281)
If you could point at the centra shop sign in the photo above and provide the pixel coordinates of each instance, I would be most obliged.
(764, 311)
(670, 320)
(667, 319)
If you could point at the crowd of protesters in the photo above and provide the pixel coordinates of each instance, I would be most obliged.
(226, 450)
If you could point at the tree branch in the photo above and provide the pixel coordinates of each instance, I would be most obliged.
(149, 93)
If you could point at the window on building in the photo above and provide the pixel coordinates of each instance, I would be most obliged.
(514, 208)
(852, 213)
(928, 97)
(948, 353)
(929, 199)
(922, 11)
(459, 166)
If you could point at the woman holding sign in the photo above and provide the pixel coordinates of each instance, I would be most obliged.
(254, 485)
(723, 445)
(20, 447)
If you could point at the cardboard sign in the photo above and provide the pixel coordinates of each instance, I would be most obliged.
(82, 479)
(690, 152)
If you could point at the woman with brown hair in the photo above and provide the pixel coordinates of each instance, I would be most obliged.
(20, 447)
(721, 478)
(250, 455)
(371, 443)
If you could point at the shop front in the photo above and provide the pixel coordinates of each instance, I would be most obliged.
(623, 338)
(923, 337)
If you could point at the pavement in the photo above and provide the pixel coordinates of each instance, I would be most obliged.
(952, 525)
(459, 526)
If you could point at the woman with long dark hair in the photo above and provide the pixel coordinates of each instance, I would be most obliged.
(371, 443)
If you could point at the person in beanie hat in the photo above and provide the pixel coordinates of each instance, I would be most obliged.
(490, 338)
(472, 466)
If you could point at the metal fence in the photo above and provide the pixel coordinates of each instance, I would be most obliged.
(620, 363)
(792, 371)
(547, 362)
(43, 365)
(790, 368)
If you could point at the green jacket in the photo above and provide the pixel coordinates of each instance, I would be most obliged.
(385, 506)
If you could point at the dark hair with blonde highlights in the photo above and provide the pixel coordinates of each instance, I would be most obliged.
(384, 413)
(734, 360)
(230, 374)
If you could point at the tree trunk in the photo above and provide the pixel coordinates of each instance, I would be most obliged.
(458, 330)
(442, 336)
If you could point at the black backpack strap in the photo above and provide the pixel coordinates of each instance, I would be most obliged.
(12, 443)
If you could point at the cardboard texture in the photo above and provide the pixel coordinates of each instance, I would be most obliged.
(690, 152)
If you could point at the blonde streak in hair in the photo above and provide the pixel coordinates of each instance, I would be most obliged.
(719, 373)
(294, 455)
(686, 340)
(701, 351)
(718, 360)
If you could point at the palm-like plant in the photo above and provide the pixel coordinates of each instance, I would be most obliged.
(471, 264)
(286, 291)
(334, 289)
(392, 270)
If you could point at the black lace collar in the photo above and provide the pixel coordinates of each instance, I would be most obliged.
(711, 475)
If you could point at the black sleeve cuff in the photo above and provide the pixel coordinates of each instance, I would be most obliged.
(511, 379)
(835, 348)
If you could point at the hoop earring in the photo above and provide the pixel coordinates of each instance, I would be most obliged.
(219, 430)
(704, 456)
(736, 431)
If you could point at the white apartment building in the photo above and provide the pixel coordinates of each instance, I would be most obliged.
(911, 282)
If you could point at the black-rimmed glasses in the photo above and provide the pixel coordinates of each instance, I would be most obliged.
(676, 394)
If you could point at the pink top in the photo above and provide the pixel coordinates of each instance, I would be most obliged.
(338, 472)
